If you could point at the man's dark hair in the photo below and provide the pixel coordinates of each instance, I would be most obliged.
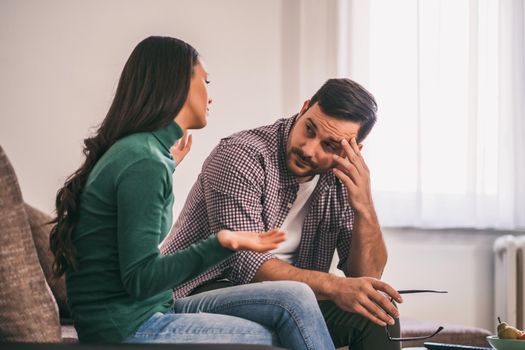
(345, 99)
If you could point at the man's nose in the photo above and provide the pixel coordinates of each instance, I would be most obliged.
(308, 149)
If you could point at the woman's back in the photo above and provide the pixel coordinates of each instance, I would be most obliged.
(116, 205)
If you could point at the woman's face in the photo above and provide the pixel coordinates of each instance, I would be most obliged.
(196, 107)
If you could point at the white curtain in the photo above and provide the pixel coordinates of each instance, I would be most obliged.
(449, 146)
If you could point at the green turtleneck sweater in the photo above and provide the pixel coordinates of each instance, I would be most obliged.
(125, 211)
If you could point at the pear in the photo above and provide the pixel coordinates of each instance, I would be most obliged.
(507, 332)
(502, 326)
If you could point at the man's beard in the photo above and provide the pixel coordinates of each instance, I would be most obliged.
(312, 168)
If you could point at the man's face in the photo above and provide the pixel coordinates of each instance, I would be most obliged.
(313, 140)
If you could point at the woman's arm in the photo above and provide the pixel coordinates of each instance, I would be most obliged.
(142, 192)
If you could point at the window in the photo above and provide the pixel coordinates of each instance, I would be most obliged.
(446, 151)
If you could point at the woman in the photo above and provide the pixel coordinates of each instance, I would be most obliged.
(114, 211)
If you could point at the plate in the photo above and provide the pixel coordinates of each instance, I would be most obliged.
(506, 344)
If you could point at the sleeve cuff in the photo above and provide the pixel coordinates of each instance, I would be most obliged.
(216, 250)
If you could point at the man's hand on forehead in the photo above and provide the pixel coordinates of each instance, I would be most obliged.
(351, 158)
(354, 174)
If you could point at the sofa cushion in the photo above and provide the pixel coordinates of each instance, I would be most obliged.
(40, 228)
(451, 334)
(28, 312)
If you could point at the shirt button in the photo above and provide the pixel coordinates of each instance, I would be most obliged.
(290, 205)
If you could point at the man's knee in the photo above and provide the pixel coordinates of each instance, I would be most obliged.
(294, 288)
(291, 292)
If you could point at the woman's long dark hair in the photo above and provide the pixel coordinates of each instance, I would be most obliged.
(152, 89)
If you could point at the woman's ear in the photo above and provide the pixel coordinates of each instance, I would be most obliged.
(360, 146)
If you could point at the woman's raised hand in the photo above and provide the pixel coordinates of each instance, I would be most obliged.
(258, 242)
(181, 148)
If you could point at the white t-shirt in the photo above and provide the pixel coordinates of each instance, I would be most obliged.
(293, 223)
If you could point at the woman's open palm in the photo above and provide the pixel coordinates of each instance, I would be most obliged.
(258, 242)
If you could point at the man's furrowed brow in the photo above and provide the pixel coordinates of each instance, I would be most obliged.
(331, 139)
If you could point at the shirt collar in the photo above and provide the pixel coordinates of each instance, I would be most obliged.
(168, 135)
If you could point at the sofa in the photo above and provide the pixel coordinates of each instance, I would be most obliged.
(33, 305)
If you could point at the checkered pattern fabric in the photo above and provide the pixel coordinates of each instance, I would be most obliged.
(245, 186)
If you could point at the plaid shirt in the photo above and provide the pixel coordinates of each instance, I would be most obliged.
(245, 185)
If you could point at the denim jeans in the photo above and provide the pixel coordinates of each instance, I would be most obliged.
(346, 329)
(273, 313)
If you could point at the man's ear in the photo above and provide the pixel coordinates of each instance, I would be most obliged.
(360, 145)
(304, 107)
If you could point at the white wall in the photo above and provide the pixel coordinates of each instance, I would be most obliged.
(459, 261)
(60, 61)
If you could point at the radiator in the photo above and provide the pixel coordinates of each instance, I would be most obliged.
(509, 281)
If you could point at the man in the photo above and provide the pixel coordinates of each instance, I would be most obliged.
(306, 175)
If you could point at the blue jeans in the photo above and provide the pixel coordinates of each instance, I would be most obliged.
(272, 313)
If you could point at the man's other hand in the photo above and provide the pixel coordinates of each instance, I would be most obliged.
(366, 296)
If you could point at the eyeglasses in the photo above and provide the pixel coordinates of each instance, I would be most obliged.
(413, 291)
